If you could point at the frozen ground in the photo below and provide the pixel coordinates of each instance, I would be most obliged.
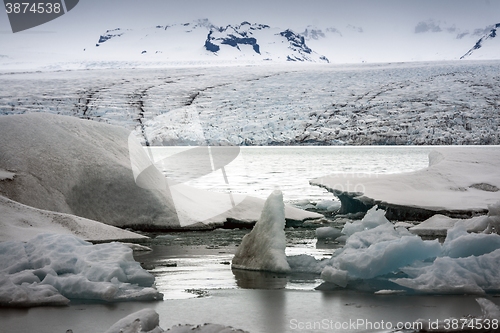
(402, 103)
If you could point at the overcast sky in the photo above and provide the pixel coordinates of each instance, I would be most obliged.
(96, 15)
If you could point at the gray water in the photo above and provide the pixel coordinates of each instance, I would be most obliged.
(257, 171)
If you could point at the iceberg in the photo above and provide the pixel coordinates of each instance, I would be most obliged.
(459, 182)
(51, 269)
(264, 247)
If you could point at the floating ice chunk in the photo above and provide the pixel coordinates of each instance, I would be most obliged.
(146, 320)
(389, 292)
(327, 232)
(50, 269)
(373, 218)
(385, 257)
(460, 243)
(328, 205)
(264, 247)
(489, 309)
(365, 238)
(494, 216)
(304, 263)
(471, 275)
(438, 225)
(333, 275)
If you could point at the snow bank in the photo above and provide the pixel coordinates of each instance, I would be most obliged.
(86, 168)
(459, 181)
(50, 269)
(22, 223)
(264, 247)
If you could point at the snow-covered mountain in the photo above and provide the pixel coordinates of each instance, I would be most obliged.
(203, 40)
(488, 47)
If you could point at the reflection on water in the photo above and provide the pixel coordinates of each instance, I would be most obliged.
(257, 171)
(259, 280)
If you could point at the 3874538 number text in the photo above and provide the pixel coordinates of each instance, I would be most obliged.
(34, 8)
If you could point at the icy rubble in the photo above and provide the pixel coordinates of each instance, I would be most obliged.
(51, 269)
(381, 254)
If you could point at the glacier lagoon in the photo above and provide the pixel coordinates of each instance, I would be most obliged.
(192, 268)
(365, 93)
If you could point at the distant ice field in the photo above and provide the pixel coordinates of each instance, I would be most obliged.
(432, 103)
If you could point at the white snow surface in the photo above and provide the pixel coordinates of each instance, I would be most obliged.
(21, 223)
(51, 269)
(263, 248)
(458, 178)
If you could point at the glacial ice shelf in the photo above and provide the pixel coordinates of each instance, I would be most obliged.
(459, 182)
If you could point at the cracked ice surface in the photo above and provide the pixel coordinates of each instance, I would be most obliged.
(407, 103)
